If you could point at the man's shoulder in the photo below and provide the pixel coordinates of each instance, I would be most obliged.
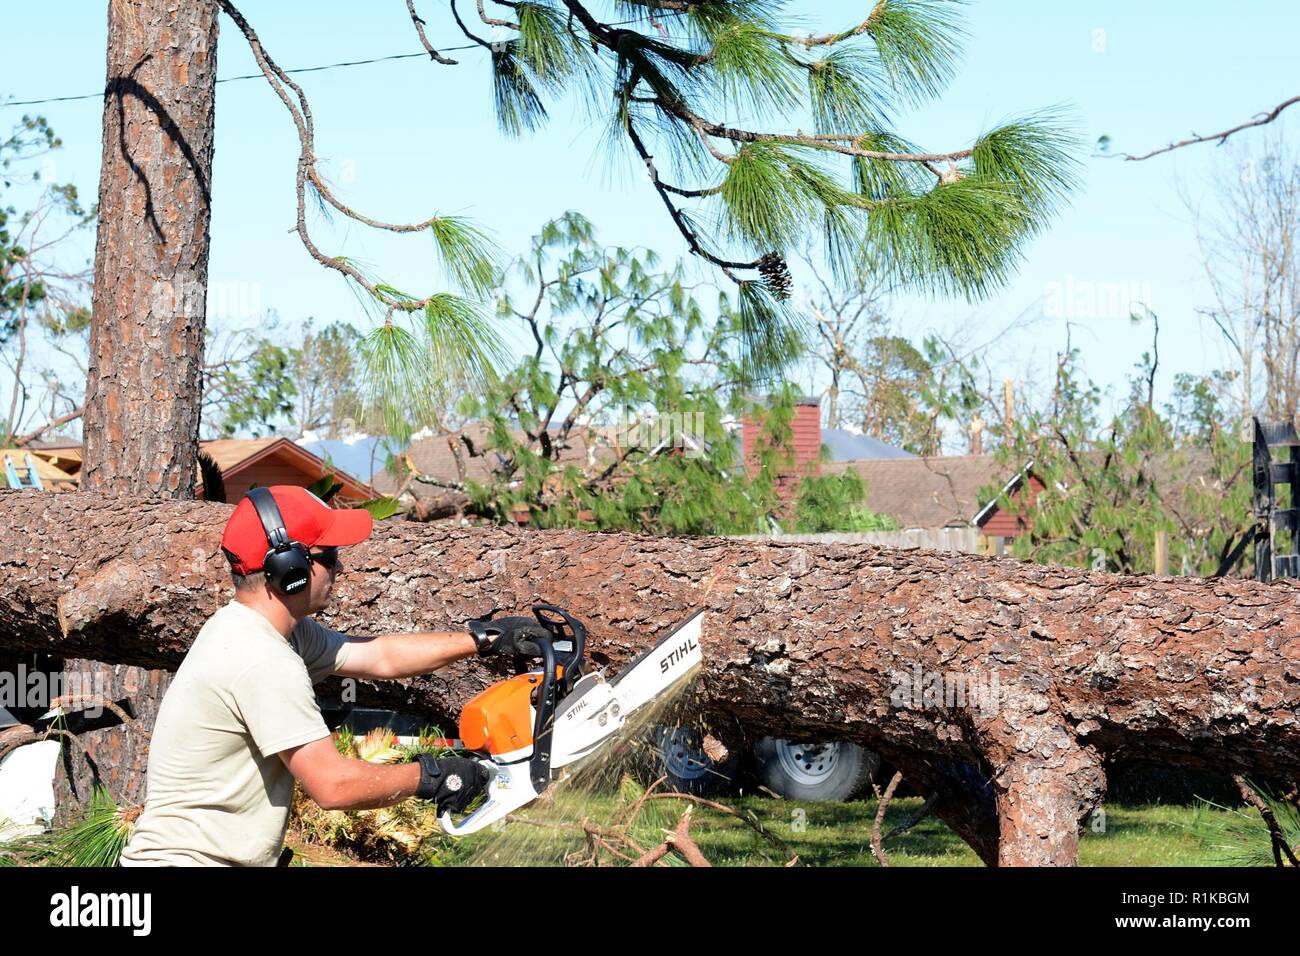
(310, 632)
(305, 634)
(231, 640)
(322, 649)
(307, 625)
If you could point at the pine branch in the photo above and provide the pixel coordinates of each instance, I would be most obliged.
(459, 257)
(683, 227)
(424, 40)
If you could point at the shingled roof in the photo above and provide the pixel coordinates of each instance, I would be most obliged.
(941, 492)
(433, 456)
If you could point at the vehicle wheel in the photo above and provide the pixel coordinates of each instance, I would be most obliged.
(689, 769)
(799, 770)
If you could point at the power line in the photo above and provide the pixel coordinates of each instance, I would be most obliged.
(254, 76)
(302, 69)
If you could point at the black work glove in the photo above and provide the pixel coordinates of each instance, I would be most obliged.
(508, 635)
(451, 782)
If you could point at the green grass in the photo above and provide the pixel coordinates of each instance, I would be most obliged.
(827, 834)
(1154, 836)
(839, 834)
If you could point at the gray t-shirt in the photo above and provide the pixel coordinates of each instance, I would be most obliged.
(216, 793)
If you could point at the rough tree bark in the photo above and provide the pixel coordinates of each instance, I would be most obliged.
(143, 394)
(151, 251)
(799, 640)
(115, 757)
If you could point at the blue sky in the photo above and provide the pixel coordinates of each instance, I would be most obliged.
(407, 139)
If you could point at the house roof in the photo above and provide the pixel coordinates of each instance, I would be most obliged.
(938, 492)
(230, 453)
(236, 455)
(433, 456)
(845, 445)
(1007, 489)
(1181, 474)
(233, 456)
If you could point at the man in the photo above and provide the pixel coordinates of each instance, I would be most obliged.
(240, 723)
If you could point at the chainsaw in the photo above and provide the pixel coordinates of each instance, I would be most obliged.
(531, 729)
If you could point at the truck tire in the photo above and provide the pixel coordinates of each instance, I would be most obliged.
(799, 770)
(689, 769)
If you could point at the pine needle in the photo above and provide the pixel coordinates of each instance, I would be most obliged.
(844, 90)
(518, 106)
(773, 196)
(918, 42)
(752, 70)
(771, 334)
(467, 253)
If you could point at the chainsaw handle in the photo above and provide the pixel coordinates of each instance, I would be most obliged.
(569, 629)
(543, 702)
(508, 789)
(577, 633)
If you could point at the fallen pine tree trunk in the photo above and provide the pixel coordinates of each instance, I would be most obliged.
(1000, 688)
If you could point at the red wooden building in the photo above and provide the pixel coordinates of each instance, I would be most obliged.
(998, 524)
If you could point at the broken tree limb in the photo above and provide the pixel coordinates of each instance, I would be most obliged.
(877, 847)
(651, 857)
(683, 845)
(747, 817)
(677, 840)
(1000, 688)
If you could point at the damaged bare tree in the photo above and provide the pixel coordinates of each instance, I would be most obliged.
(1001, 690)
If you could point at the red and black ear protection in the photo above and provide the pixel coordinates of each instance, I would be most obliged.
(287, 563)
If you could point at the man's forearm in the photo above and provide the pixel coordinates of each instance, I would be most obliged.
(411, 654)
(367, 786)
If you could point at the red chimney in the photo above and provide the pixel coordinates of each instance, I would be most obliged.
(807, 439)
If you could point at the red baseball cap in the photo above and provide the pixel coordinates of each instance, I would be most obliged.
(307, 520)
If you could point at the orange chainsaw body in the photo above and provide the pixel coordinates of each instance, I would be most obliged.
(500, 719)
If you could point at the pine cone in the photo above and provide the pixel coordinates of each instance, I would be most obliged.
(776, 275)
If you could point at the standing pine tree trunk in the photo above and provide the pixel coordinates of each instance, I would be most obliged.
(144, 388)
(143, 394)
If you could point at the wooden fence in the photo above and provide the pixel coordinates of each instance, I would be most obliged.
(965, 540)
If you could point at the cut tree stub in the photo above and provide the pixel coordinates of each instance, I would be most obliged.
(115, 757)
(1059, 670)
